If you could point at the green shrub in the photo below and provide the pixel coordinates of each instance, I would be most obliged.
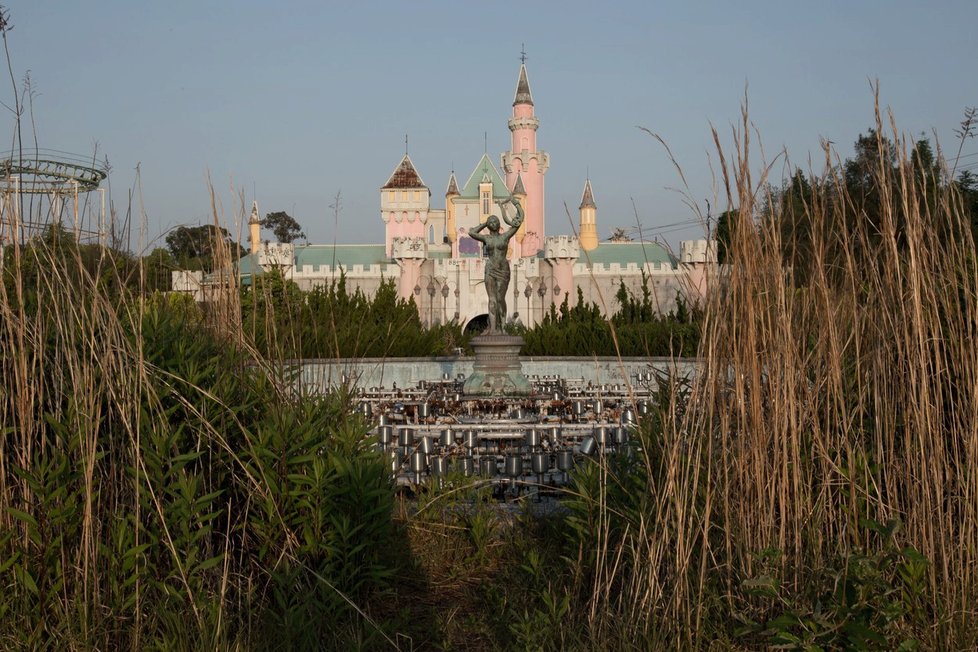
(329, 321)
(161, 487)
(637, 328)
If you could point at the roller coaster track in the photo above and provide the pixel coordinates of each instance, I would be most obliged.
(46, 171)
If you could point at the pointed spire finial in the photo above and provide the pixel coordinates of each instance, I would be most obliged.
(485, 142)
(587, 199)
(522, 52)
(452, 184)
(518, 187)
(405, 144)
(523, 95)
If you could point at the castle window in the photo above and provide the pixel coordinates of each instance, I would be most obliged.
(485, 203)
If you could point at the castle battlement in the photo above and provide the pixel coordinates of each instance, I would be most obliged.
(599, 269)
(358, 271)
(276, 254)
(561, 246)
(698, 251)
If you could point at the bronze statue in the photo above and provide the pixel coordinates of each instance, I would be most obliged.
(497, 267)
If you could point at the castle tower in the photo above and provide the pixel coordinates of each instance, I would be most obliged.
(588, 234)
(487, 204)
(562, 252)
(526, 161)
(519, 191)
(404, 204)
(450, 194)
(254, 228)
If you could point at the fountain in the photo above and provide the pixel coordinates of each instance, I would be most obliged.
(496, 370)
(516, 442)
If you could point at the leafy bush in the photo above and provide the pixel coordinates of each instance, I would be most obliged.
(861, 602)
(637, 328)
(329, 321)
(161, 487)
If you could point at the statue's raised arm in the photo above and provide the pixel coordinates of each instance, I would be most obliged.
(475, 235)
(516, 222)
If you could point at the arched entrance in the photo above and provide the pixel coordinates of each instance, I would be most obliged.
(477, 324)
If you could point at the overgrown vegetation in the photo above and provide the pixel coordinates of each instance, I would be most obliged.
(330, 321)
(161, 486)
(815, 486)
(636, 329)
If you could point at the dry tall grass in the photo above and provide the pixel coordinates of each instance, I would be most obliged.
(828, 407)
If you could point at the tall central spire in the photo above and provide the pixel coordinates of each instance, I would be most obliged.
(525, 163)
(523, 88)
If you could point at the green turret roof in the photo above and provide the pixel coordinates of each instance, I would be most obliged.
(485, 170)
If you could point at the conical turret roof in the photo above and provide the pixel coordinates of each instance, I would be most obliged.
(587, 199)
(518, 188)
(452, 186)
(523, 89)
(404, 176)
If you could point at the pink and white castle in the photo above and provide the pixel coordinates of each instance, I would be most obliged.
(428, 252)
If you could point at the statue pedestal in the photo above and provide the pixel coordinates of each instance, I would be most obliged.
(496, 370)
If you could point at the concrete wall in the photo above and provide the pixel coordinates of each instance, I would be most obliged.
(319, 375)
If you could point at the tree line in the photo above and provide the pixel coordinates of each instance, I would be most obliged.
(805, 207)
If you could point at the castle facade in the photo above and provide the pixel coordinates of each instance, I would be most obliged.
(428, 252)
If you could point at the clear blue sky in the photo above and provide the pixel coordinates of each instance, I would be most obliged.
(293, 102)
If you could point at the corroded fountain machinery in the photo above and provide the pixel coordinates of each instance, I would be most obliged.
(520, 441)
